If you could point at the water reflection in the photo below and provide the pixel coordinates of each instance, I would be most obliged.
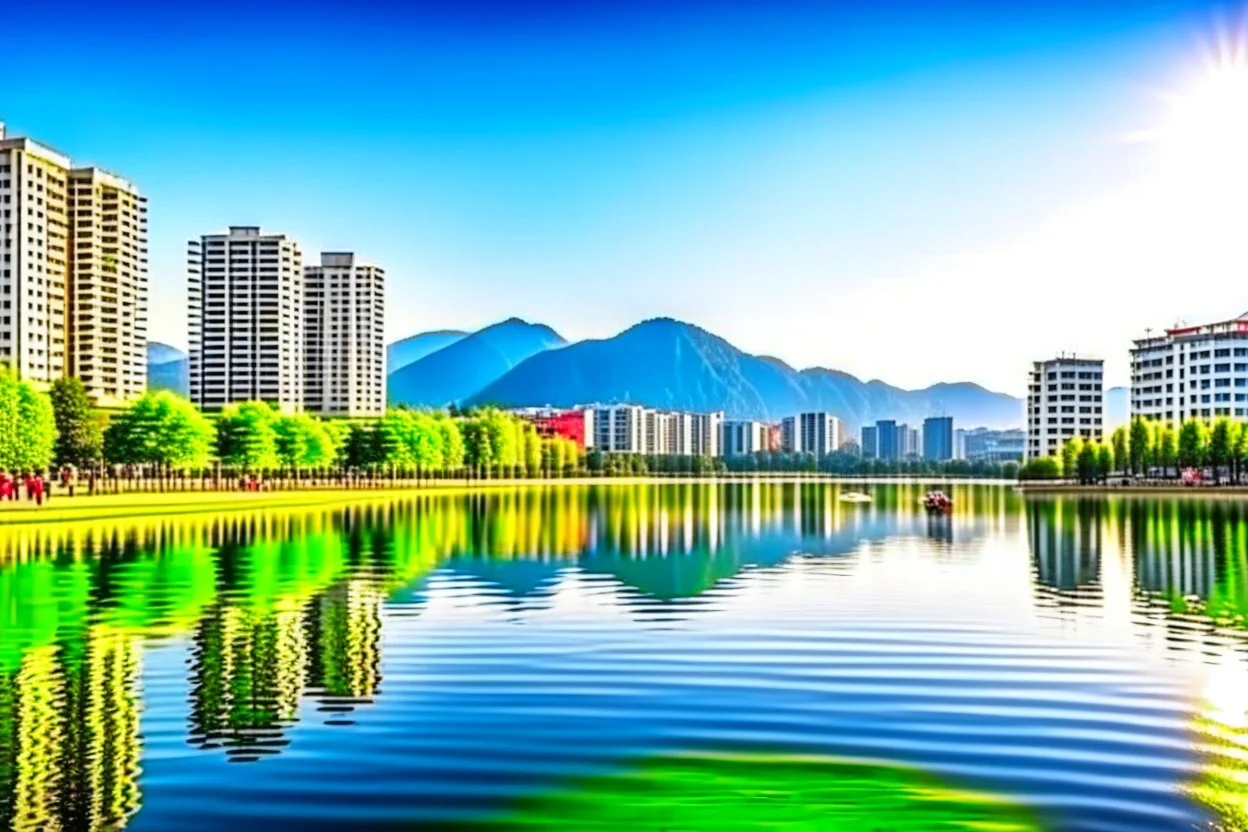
(283, 615)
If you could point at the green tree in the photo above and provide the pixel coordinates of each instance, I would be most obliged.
(301, 441)
(452, 443)
(1219, 448)
(27, 425)
(1070, 457)
(1043, 468)
(1140, 445)
(79, 427)
(1193, 443)
(1087, 461)
(1104, 461)
(1121, 453)
(1167, 448)
(246, 436)
(162, 429)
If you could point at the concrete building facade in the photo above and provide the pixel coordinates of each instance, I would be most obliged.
(938, 442)
(246, 319)
(741, 438)
(344, 337)
(1192, 372)
(619, 429)
(870, 441)
(1065, 399)
(106, 305)
(73, 273)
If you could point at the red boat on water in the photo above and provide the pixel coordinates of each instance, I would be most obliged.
(937, 502)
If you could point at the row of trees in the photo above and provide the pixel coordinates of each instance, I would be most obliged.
(1154, 450)
(162, 433)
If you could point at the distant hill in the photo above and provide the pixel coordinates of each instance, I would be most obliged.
(415, 347)
(168, 368)
(669, 364)
(455, 372)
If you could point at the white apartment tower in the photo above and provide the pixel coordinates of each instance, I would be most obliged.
(1065, 399)
(107, 298)
(620, 429)
(344, 339)
(246, 317)
(73, 272)
(1192, 372)
(743, 438)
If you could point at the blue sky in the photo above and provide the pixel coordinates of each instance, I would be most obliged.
(898, 190)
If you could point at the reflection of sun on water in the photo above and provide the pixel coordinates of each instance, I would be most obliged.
(1223, 729)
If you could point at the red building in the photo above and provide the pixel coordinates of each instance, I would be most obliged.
(569, 424)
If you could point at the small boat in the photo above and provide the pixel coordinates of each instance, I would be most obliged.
(855, 497)
(937, 502)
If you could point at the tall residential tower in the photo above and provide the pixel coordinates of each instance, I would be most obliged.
(73, 272)
(1065, 399)
(344, 338)
(246, 317)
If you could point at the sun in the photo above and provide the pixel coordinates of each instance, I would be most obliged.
(1204, 139)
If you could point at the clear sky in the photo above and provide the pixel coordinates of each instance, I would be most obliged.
(912, 192)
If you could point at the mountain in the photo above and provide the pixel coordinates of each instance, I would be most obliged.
(415, 347)
(168, 368)
(669, 364)
(1117, 408)
(457, 371)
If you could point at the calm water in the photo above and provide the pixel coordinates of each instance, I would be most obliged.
(438, 660)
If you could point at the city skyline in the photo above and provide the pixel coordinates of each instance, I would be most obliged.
(846, 158)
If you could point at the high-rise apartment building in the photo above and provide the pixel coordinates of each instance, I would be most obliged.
(790, 435)
(870, 442)
(707, 430)
(820, 432)
(938, 438)
(106, 304)
(344, 372)
(1192, 372)
(1065, 399)
(887, 447)
(73, 272)
(620, 429)
(246, 317)
(743, 438)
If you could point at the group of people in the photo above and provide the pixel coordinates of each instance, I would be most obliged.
(36, 487)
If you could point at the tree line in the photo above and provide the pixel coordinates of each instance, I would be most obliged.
(161, 436)
(1152, 450)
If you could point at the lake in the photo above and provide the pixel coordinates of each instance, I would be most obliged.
(648, 657)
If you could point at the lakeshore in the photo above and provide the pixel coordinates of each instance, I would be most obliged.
(63, 508)
(1167, 489)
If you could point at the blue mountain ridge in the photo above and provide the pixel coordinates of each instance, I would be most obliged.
(168, 368)
(666, 363)
(415, 347)
(455, 372)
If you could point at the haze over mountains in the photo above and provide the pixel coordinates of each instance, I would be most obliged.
(660, 363)
(670, 364)
(457, 371)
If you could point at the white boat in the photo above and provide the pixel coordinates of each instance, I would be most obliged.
(855, 497)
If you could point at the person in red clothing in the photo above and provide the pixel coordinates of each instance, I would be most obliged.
(35, 489)
(6, 486)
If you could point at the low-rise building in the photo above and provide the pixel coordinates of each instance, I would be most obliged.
(984, 445)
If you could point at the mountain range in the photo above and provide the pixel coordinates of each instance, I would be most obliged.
(168, 368)
(665, 363)
(660, 363)
(457, 371)
(410, 350)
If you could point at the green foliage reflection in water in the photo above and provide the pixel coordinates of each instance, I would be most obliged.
(782, 794)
